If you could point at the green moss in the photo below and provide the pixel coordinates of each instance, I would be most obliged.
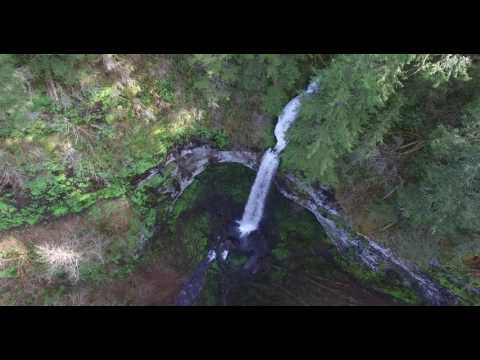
(238, 261)
(466, 297)
(195, 236)
(155, 181)
(209, 295)
(298, 224)
(280, 253)
(402, 294)
(379, 281)
(232, 181)
(9, 272)
(187, 199)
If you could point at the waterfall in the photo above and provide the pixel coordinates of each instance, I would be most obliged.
(253, 212)
(256, 200)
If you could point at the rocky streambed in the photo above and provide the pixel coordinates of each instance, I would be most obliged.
(373, 265)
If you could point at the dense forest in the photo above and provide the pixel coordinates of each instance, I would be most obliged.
(395, 138)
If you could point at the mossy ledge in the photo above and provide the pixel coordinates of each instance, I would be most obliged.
(372, 262)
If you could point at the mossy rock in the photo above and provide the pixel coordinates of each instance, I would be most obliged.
(299, 244)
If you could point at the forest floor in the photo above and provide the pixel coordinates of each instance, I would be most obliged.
(71, 261)
(135, 108)
(123, 118)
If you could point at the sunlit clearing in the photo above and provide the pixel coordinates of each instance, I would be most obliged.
(185, 119)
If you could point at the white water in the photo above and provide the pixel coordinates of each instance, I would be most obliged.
(256, 200)
(253, 212)
(212, 255)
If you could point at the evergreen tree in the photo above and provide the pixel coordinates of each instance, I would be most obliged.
(446, 197)
(13, 95)
(358, 103)
(353, 91)
(273, 78)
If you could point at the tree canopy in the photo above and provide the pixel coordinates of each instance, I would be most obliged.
(397, 136)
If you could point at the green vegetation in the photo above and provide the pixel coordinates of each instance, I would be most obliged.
(9, 272)
(273, 77)
(87, 143)
(396, 136)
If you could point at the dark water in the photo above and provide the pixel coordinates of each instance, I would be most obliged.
(295, 267)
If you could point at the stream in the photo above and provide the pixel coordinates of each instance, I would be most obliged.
(268, 166)
(254, 208)
(378, 266)
(295, 268)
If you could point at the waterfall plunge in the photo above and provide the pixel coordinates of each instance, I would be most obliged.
(253, 212)
(256, 200)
